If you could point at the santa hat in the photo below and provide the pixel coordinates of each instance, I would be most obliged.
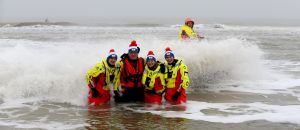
(150, 56)
(133, 47)
(168, 52)
(112, 54)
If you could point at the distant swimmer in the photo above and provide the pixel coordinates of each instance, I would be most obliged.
(100, 78)
(187, 32)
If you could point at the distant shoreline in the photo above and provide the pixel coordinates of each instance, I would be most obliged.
(147, 24)
(147, 21)
(21, 24)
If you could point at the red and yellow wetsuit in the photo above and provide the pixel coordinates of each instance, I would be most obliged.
(154, 84)
(177, 79)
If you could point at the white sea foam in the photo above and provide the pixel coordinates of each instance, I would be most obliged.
(55, 70)
(230, 112)
(242, 27)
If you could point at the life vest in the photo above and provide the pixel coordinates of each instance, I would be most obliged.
(130, 76)
(149, 77)
(189, 31)
(177, 75)
(109, 73)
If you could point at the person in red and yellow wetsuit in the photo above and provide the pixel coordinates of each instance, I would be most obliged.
(177, 79)
(129, 86)
(100, 78)
(153, 80)
(187, 32)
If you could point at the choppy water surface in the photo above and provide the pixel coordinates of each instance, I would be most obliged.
(242, 77)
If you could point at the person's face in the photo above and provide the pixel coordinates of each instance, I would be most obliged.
(133, 55)
(151, 63)
(169, 59)
(112, 61)
(190, 24)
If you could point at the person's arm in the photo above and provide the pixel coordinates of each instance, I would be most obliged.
(96, 84)
(144, 78)
(119, 80)
(184, 76)
(159, 85)
(100, 82)
(94, 72)
(184, 35)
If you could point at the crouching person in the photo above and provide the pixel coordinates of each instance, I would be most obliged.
(100, 78)
(153, 80)
(177, 79)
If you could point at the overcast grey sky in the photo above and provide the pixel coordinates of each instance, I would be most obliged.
(85, 10)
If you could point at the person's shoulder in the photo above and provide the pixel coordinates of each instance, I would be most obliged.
(178, 60)
(99, 64)
(119, 63)
(124, 56)
(104, 62)
(161, 67)
(181, 62)
(143, 60)
(147, 68)
(185, 26)
(159, 62)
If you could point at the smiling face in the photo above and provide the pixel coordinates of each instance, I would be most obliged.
(150, 63)
(112, 61)
(169, 59)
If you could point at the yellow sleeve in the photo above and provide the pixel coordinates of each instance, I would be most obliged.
(180, 33)
(117, 81)
(94, 72)
(144, 77)
(185, 77)
(163, 81)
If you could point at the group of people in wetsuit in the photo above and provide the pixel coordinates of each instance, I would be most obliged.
(135, 79)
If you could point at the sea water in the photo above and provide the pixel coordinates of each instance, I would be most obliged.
(242, 77)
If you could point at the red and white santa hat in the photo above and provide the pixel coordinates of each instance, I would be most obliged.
(150, 56)
(169, 52)
(133, 47)
(112, 54)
